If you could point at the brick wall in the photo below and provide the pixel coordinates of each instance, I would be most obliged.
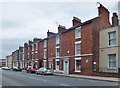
(68, 43)
(41, 51)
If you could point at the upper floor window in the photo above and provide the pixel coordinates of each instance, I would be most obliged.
(112, 38)
(78, 48)
(112, 61)
(78, 32)
(36, 46)
(23, 56)
(45, 43)
(45, 54)
(23, 50)
(33, 47)
(57, 51)
(57, 39)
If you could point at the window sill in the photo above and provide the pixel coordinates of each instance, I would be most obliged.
(77, 54)
(112, 68)
(57, 57)
(77, 71)
(77, 37)
(112, 45)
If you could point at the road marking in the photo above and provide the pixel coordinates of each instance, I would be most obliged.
(38, 79)
(91, 80)
(0, 86)
(116, 84)
(20, 75)
(64, 85)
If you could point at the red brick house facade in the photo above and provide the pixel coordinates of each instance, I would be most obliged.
(71, 51)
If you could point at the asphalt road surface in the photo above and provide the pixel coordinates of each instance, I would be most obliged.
(13, 78)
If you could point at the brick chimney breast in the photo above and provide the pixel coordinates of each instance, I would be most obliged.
(103, 12)
(115, 21)
(76, 20)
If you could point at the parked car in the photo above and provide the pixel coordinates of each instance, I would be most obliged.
(17, 69)
(44, 71)
(31, 69)
(28, 69)
(5, 68)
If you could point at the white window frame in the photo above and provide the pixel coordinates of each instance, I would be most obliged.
(33, 47)
(45, 43)
(111, 39)
(75, 64)
(45, 53)
(36, 46)
(109, 62)
(58, 47)
(76, 31)
(23, 56)
(79, 42)
(57, 39)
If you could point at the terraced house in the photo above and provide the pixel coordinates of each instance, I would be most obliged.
(80, 49)
(109, 49)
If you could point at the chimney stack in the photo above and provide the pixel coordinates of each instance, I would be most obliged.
(50, 33)
(76, 20)
(115, 21)
(103, 13)
(61, 28)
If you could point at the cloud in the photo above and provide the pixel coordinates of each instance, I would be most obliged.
(25, 20)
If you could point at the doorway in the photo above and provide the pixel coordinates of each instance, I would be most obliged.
(66, 66)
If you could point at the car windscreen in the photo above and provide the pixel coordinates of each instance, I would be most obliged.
(48, 68)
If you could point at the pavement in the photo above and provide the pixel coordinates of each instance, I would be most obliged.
(112, 79)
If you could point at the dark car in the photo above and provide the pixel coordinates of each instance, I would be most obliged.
(17, 69)
(44, 71)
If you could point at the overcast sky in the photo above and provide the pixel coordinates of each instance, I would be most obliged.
(22, 21)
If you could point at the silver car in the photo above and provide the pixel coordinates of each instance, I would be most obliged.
(44, 71)
(5, 68)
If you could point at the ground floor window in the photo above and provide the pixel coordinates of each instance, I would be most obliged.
(45, 64)
(112, 61)
(77, 65)
(57, 65)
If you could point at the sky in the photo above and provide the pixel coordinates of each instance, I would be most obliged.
(23, 20)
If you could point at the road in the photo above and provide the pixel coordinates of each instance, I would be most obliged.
(12, 78)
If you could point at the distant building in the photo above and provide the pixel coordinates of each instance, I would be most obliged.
(21, 57)
(15, 59)
(9, 61)
(2, 62)
(119, 11)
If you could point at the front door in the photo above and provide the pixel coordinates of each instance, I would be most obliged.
(66, 66)
(57, 65)
(51, 65)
